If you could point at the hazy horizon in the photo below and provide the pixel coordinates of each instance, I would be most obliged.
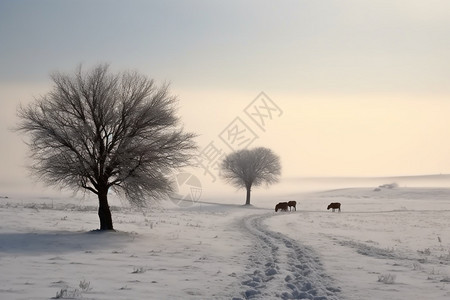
(357, 88)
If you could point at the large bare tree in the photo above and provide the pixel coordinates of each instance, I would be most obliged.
(246, 168)
(97, 130)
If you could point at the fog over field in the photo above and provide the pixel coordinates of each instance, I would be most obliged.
(391, 243)
(350, 96)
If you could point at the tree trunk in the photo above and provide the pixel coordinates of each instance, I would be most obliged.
(104, 213)
(247, 201)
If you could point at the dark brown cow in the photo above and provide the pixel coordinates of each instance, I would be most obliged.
(292, 204)
(334, 205)
(283, 206)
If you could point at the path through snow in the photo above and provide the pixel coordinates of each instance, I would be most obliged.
(279, 267)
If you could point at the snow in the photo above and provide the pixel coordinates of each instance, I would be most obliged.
(386, 244)
(401, 232)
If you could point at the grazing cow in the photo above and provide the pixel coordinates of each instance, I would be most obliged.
(334, 205)
(292, 204)
(283, 206)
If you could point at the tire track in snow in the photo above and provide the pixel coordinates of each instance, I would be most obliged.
(280, 268)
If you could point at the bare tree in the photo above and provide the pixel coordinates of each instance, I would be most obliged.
(97, 131)
(247, 168)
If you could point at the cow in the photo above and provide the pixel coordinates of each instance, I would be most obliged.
(334, 205)
(283, 206)
(292, 204)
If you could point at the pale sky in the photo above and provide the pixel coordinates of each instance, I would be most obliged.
(362, 86)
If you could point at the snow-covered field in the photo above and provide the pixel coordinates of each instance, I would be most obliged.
(387, 244)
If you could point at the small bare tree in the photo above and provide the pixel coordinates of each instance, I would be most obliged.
(247, 168)
(97, 131)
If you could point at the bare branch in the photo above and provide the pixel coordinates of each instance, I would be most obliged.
(247, 168)
(96, 130)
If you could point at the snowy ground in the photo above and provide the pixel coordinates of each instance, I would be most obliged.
(388, 244)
